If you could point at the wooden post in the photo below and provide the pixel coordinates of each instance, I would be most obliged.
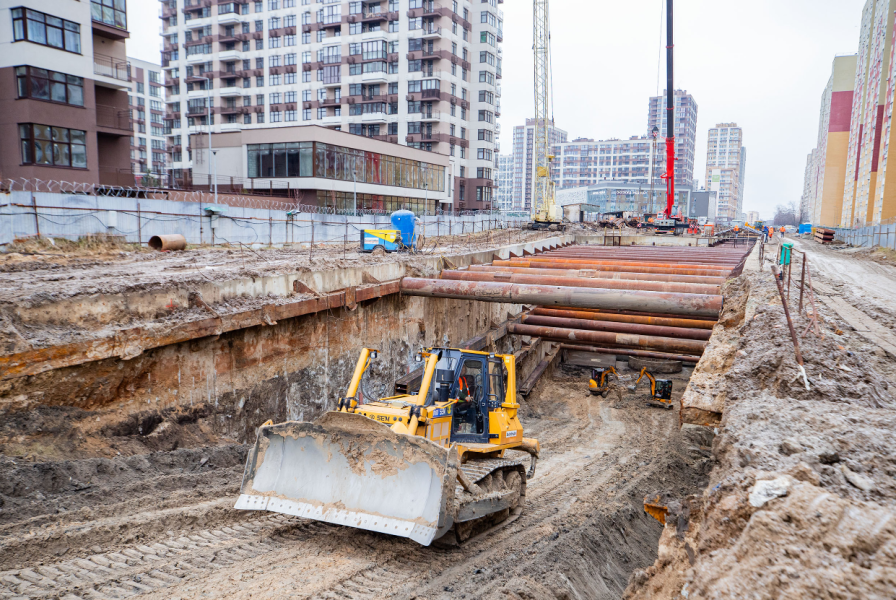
(802, 284)
(311, 245)
(270, 231)
(139, 226)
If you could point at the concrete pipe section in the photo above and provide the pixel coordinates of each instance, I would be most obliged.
(550, 295)
(173, 241)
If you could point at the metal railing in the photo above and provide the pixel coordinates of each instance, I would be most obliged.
(109, 66)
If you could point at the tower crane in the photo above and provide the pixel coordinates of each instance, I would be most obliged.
(545, 212)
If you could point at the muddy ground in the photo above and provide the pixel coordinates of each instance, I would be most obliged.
(802, 500)
(39, 274)
(161, 524)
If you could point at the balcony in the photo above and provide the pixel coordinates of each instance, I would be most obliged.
(374, 35)
(230, 91)
(228, 18)
(227, 55)
(437, 54)
(108, 66)
(426, 137)
(331, 121)
(374, 77)
(112, 117)
(374, 117)
(429, 115)
(392, 139)
(431, 32)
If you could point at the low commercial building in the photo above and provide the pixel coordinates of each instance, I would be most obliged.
(624, 196)
(318, 166)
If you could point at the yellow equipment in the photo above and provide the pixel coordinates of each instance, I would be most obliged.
(660, 390)
(598, 383)
(414, 465)
(545, 213)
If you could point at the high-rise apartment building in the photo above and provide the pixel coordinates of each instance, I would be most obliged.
(149, 155)
(524, 160)
(413, 72)
(685, 133)
(726, 160)
(869, 129)
(505, 182)
(827, 169)
(63, 91)
(584, 162)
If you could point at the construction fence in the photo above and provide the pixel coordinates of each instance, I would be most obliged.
(25, 214)
(883, 236)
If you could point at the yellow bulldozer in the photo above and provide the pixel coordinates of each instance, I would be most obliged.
(416, 465)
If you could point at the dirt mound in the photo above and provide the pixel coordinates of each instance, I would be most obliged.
(800, 502)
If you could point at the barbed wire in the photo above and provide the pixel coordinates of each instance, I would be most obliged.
(36, 185)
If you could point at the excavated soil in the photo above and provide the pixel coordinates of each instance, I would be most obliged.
(802, 500)
(161, 524)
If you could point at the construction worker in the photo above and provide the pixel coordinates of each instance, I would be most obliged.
(765, 233)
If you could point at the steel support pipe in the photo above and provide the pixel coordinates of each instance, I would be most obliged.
(629, 352)
(550, 295)
(604, 316)
(611, 284)
(661, 256)
(606, 337)
(685, 333)
(598, 312)
(618, 263)
(612, 268)
(599, 274)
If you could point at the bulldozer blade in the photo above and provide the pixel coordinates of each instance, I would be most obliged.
(350, 470)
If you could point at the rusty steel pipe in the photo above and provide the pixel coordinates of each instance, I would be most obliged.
(603, 316)
(551, 295)
(606, 337)
(612, 268)
(173, 241)
(612, 284)
(662, 257)
(630, 352)
(686, 333)
(600, 274)
(618, 263)
(634, 313)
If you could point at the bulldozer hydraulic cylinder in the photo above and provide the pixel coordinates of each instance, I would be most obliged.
(604, 316)
(612, 284)
(615, 326)
(549, 295)
(611, 338)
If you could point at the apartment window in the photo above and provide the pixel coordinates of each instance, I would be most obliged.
(55, 146)
(487, 77)
(259, 6)
(273, 42)
(274, 23)
(276, 116)
(273, 4)
(259, 44)
(487, 58)
(291, 115)
(275, 98)
(290, 78)
(36, 27)
(485, 96)
(306, 114)
(109, 12)
(41, 84)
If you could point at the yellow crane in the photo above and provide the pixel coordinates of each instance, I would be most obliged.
(545, 212)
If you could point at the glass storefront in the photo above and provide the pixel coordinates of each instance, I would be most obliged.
(317, 159)
(343, 202)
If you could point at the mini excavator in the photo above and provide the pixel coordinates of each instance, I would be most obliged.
(414, 465)
(660, 389)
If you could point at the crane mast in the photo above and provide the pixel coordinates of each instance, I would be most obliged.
(543, 195)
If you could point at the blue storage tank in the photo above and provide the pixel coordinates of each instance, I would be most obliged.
(405, 222)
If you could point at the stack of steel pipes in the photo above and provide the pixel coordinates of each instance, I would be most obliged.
(650, 301)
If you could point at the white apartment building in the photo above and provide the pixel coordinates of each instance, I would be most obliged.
(146, 103)
(584, 162)
(524, 160)
(505, 182)
(685, 133)
(413, 72)
(725, 168)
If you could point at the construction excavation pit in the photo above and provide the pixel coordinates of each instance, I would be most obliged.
(549, 416)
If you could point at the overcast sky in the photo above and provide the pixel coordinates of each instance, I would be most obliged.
(760, 63)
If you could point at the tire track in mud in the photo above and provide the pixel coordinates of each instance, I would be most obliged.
(276, 555)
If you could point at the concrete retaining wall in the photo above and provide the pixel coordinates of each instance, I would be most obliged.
(72, 216)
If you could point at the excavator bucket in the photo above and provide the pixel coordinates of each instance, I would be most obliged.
(350, 470)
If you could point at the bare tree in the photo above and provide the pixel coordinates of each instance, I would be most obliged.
(787, 214)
